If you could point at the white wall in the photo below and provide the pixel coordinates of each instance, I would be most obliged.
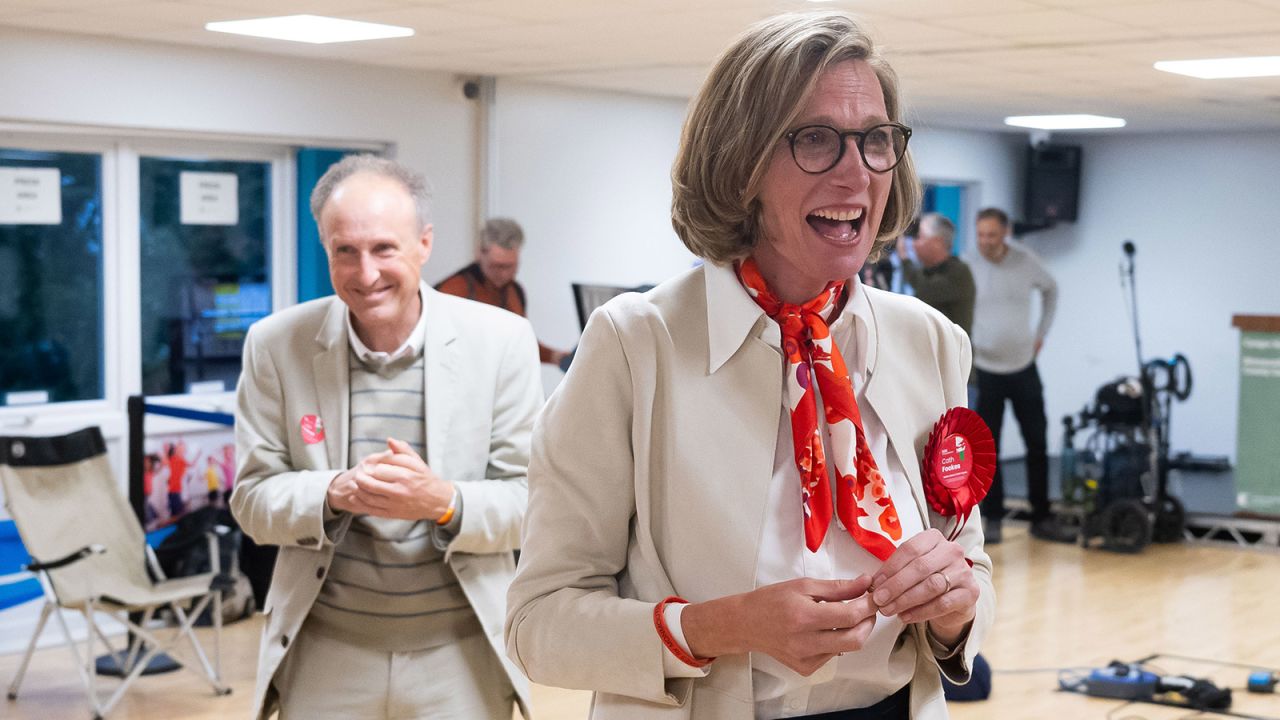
(54, 78)
(988, 164)
(588, 176)
(1201, 209)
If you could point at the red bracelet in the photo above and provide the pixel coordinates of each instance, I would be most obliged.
(660, 623)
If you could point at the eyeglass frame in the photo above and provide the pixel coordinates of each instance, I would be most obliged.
(859, 136)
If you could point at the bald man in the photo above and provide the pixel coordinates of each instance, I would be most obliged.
(382, 439)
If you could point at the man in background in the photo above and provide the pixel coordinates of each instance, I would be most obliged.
(1005, 345)
(491, 279)
(941, 279)
(382, 436)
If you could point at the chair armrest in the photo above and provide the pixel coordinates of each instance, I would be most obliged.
(153, 564)
(215, 556)
(78, 555)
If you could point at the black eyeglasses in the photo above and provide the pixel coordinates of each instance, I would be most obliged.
(818, 148)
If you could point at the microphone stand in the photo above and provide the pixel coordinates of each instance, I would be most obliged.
(1151, 421)
(1127, 277)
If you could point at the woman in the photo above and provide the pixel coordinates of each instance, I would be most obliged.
(685, 544)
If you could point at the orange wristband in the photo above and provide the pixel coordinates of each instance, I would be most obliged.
(448, 512)
(660, 623)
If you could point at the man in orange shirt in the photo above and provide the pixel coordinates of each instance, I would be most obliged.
(491, 279)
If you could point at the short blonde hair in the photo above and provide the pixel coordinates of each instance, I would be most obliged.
(747, 104)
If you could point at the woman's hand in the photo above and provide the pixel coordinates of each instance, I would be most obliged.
(927, 579)
(800, 623)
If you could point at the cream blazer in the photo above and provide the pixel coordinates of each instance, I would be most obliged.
(650, 468)
(483, 390)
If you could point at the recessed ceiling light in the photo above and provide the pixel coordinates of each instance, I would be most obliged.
(310, 29)
(1217, 68)
(1064, 122)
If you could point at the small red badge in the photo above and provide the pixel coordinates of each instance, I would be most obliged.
(312, 429)
(958, 464)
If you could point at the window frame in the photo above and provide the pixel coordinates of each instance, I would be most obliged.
(121, 350)
(282, 253)
(76, 413)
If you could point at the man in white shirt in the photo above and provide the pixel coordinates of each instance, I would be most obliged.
(1007, 274)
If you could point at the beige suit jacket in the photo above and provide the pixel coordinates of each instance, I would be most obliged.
(649, 475)
(483, 391)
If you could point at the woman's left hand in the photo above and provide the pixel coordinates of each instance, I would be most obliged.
(927, 579)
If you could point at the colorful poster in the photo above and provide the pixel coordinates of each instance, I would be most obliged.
(181, 473)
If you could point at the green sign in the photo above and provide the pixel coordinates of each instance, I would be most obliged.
(1258, 436)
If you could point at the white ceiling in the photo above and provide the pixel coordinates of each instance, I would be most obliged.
(963, 63)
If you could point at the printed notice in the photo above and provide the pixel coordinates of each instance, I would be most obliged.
(1257, 433)
(30, 196)
(209, 198)
(27, 397)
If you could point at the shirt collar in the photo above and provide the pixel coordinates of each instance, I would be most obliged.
(412, 346)
(733, 317)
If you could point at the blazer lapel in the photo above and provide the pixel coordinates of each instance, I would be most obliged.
(736, 349)
(886, 398)
(753, 459)
(330, 370)
(440, 363)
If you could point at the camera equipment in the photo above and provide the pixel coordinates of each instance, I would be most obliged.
(1119, 478)
(1136, 683)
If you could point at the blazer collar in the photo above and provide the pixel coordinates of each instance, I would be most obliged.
(333, 331)
(330, 372)
(732, 317)
(336, 329)
(441, 365)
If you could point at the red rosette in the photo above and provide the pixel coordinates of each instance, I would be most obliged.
(958, 464)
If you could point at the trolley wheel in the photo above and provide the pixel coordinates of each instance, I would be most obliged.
(1171, 518)
(1126, 526)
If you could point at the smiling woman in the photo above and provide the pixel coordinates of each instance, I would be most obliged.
(661, 538)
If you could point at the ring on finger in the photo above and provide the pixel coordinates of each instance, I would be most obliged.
(946, 580)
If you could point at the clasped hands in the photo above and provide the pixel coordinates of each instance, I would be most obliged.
(803, 623)
(394, 483)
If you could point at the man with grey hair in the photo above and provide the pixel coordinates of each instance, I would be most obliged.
(491, 279)
(942, 280)
(382, 441)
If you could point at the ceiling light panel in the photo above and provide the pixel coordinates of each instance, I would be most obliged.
(314, 29)
(1221, 68)
(1064, 122)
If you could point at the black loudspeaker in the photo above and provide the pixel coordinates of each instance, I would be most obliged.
(1053, 183)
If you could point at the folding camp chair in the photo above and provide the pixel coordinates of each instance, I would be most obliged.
(88, 549)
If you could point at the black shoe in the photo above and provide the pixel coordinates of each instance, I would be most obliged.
(1053, 531)
(991, 532)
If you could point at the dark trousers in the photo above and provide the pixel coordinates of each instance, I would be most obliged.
(895, 707)
(1024, 390)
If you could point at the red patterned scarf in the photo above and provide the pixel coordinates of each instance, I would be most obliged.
(862, 499)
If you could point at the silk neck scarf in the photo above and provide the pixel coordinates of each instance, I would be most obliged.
(862, 498)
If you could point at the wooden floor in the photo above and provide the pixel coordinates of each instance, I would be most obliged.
(1059, 607)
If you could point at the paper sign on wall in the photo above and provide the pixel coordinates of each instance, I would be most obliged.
(27, 397)
(30, 196)
(209, 198)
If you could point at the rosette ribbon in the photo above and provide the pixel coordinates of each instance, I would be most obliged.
(958, 464)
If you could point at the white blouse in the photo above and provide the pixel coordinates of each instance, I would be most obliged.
(883, 665)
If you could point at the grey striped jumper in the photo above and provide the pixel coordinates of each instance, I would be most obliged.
(389, 587)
